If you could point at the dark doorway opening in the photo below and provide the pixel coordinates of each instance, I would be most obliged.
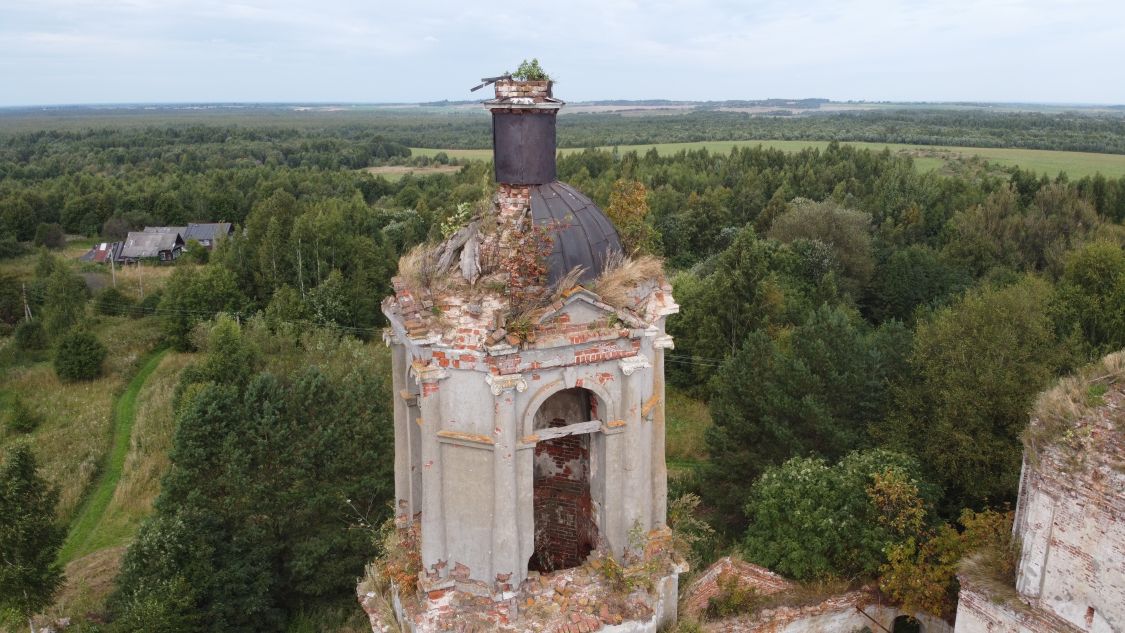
(906, 624)
(565, 532)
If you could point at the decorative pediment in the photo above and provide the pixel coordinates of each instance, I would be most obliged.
(580, 306)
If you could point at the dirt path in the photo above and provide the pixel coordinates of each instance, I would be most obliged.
(124, 416)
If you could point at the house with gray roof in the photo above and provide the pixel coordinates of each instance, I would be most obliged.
(207, 234)
(163, 246)
(166, 229)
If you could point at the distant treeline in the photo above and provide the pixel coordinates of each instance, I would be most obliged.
(362, 136)
(1071, 132)
(189, 149)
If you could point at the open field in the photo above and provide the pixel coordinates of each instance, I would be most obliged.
(73, 438)
(394, 172)
(926, 157)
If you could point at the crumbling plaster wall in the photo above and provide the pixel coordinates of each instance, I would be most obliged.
(463, 421)
(980, 612)
(838, 614)
(1072, 527)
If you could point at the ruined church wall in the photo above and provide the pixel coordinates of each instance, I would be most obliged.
(1071, 523)
(839, 614)
(461, 423)
(979, 612)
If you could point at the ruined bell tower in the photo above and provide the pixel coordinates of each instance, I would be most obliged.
(528, 359)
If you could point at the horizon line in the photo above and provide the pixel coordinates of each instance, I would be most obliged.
(231, 104)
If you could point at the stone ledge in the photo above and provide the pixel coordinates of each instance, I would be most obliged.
(470, 440)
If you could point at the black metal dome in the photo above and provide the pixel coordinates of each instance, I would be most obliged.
(582, 235)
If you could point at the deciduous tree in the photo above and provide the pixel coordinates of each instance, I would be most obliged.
(811, 520)
(975, 367)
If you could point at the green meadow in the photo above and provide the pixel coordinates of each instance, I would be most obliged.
(926, 157)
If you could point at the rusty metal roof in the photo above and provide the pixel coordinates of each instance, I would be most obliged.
(583, 235)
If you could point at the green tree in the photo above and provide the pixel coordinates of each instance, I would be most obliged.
(740, 292)
(975, 367)
(811, 520)
(17, 218)
(29, 536)
(628, 210)
(1091, 297)
(49, 235)
(195, 253)
(250, 539)
(286, 307)
(65, 303)
(195, 295)
(845, 230)
(1001, 232)
(814, 392)
(30, 336)
(112, 302)
(46, 264)
(22, 419)
(911, 277)
(11, 299)
(79, 356)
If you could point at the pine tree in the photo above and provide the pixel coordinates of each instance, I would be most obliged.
(29, 536)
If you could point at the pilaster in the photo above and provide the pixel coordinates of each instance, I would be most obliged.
(661, 343)
(403, 509)
(434, 558)
(638, 501)
(507, 569)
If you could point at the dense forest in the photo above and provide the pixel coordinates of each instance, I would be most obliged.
(1076, 132)
(867, 338)
(467, 127)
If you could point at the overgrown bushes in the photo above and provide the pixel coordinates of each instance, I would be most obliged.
(22, 419)
(30, 336)
(79, 356)
(112, 302)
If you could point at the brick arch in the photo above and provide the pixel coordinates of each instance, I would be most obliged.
(527, 424)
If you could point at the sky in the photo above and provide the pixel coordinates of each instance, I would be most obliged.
(325, 51)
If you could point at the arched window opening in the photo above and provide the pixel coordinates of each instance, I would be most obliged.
(565, 530)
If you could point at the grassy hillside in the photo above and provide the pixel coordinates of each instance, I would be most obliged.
(102, 443)
(93, 551)
(926, 157)
(75, 434)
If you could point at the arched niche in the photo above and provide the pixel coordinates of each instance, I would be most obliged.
(565, 532)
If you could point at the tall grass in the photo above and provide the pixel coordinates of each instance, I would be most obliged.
(146, 461)
(85, 536)
(76, 417)
(686, 424)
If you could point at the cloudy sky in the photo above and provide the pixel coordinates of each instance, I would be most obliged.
(128, 51)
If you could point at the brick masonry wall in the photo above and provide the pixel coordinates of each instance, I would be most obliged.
(979, 612)
(512, 89)
(564, 526)
(1071, 525)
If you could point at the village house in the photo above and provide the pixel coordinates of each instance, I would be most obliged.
(207, 234)
(164, 246)
(102, 253)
